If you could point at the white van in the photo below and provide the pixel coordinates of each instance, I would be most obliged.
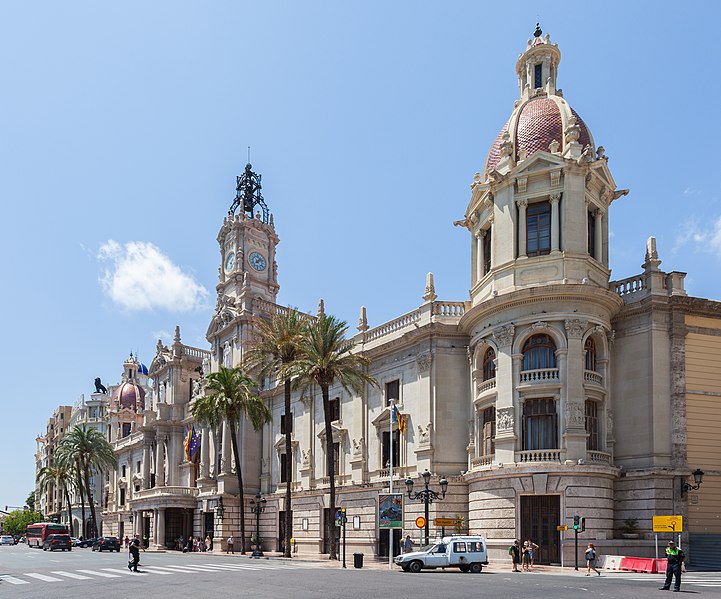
(467, 553)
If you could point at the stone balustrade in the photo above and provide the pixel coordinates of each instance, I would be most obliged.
(398, 324)
(599, 457)
(166, 491)
(194, 352)
(484, 460)
(452, 309)
(632, 285)
(484, 386)
(539, 455)
(540, 375)
(591, 376)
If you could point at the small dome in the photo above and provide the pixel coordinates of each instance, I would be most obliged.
(142, 368)
(128, 395)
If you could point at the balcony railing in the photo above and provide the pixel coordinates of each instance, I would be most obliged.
(539, 455)
(590, 376)
(485, 460)
(484, 386)
(599, 457)
(539, 376)
(166, 491)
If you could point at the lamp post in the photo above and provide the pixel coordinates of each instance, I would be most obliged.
(427, 495)
(257, 506)
(697, 479)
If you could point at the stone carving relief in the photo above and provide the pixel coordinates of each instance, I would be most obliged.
(504, 335)
(575, 415)
(573, 130)
(227, 355)
(541, 324)
(358, 447)
(504, 419)
(609, 423)
(424, 434)
(575, 328)
(522, 183)
(424, 361)
(305, 458)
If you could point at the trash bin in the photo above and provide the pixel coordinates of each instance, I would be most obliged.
(357, 560)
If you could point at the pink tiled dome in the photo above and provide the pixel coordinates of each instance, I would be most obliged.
(128, 395)
(535, 126)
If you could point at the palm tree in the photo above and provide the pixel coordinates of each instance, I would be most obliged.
(326, 357)
(93, 453)
(277, 346)
(65, 456)
(60, 476)
(229, 397)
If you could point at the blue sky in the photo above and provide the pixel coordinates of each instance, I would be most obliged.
(123, 126)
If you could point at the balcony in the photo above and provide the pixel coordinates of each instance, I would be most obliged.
(166, 492)
(540, 376)
(539, 455)
(484, 460)
(599, 457)
(484, 386)
(590, 376)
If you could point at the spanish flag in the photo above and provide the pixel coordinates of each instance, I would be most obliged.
(187, 441)
(398, 417)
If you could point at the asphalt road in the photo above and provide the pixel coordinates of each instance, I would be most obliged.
(32, 573)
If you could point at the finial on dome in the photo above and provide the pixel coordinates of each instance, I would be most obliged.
(538, 32)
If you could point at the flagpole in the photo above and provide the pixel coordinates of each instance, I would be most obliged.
(390, 485)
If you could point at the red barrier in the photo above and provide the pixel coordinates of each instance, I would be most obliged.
(661, 565)
(639, 564)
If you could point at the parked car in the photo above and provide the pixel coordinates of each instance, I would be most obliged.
(467, 553)
(7, 540)
(22, 539)
(107, 544)
(86, 542)
(58, 541)
(75, 541)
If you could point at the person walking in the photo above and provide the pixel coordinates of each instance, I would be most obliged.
(515, 552)
(408, 544)
(229, 545)
(208, 543)
(591, 560)
(675, 557)
(533, 552)
(526, 557)
(134, 556)
(127, 541)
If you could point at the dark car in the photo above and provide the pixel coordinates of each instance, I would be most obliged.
(86, 543)
(54, 542)
(107, 544)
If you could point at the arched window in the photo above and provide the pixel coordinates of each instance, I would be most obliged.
(589, 350)
(539, 351)
(489, 365)
(540, 424)
(593, 441)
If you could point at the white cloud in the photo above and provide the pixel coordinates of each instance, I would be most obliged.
(138, 276)
(702, 237)
(162, 335)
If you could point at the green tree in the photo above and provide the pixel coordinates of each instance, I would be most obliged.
(16, 522)
(229, 396)
(326, 358)
(30, 501)
(58, 476)
(277, 345)
(94, 454)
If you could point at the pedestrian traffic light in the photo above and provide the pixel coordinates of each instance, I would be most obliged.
(583, 524)
(576, 523)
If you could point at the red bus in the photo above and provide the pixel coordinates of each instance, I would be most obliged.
(36, 533)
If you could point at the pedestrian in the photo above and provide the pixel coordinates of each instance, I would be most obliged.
(675, 557)
(208, 543)
(591, 560)
(229, 545)
(526, 557)
(515, 552)
(127, 541)
(134, 556)
(408, 544)
(532, 551)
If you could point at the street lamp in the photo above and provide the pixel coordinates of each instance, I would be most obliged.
(257, 506)
(697, 479)
(427, 495)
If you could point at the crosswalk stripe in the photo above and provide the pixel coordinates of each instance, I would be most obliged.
(96, 573)
(12, 579)
(195, 567)
(42, 577)
(175, 569)
(72, 575)
(117, 571)
(155, 570)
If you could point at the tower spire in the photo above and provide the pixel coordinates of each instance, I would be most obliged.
(247, 193)
(538, 32)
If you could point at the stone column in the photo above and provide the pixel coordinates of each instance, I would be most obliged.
(204, 452)
(146, 465)
(155, 526)
(505, 410)
(598, 230)
(479, 255)
(160, 461)
(574, 410)
(225, 462)
(555, 227)
(161, 527)
(522, 205)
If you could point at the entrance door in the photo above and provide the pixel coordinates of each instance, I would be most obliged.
(208, 525)
(383, 541)
(540, 514)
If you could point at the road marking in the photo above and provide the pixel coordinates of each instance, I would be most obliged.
(117, 571)
(72, 575)
(154, 570)
(12, 579)
(42, 577)
(96, 573)
(176, 569)
(200, 568)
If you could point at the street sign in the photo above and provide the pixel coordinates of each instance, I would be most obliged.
(560, 528)
(446, 522)
(668, 524)
(420, 522)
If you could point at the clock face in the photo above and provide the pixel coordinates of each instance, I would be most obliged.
(257, 261)
(230, 262)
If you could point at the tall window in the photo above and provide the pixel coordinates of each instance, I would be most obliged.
(393, 392)
(539, 351)
(538, 229)
(126, 429)
(488, 431)
(336, 459)
(286, 423)
(122, 496)
(591, 220)
(487, 245)
(593, 442)
(589, 350)
(538, 76)
(540, 424)
(386, 449)
(489, 365)
(334, 408)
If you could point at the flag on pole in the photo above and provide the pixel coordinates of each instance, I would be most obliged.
(194, 450)
(400, 420)
(187, 441)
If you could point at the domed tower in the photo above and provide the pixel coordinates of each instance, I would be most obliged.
(129, 394)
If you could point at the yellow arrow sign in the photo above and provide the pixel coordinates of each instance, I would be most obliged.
(559, 528)
(445, 522)
(668, 524)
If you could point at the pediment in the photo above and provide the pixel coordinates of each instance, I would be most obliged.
(280, 443)
(383, 419)
(538, 162)
(338, 432)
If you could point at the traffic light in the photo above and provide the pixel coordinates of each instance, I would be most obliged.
(583, 524)
(576, 523)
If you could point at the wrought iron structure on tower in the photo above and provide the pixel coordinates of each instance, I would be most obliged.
(247, 194)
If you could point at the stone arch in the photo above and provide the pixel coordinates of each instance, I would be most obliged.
(541, 327)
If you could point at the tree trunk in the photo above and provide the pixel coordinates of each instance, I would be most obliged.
(330, 466)
(86, 473)
(239, 473)
(288, 471)
(82, 499)
(70, 510)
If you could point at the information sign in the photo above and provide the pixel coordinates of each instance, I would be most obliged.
(668, 524)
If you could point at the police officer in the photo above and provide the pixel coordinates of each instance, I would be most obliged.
(675, 557)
